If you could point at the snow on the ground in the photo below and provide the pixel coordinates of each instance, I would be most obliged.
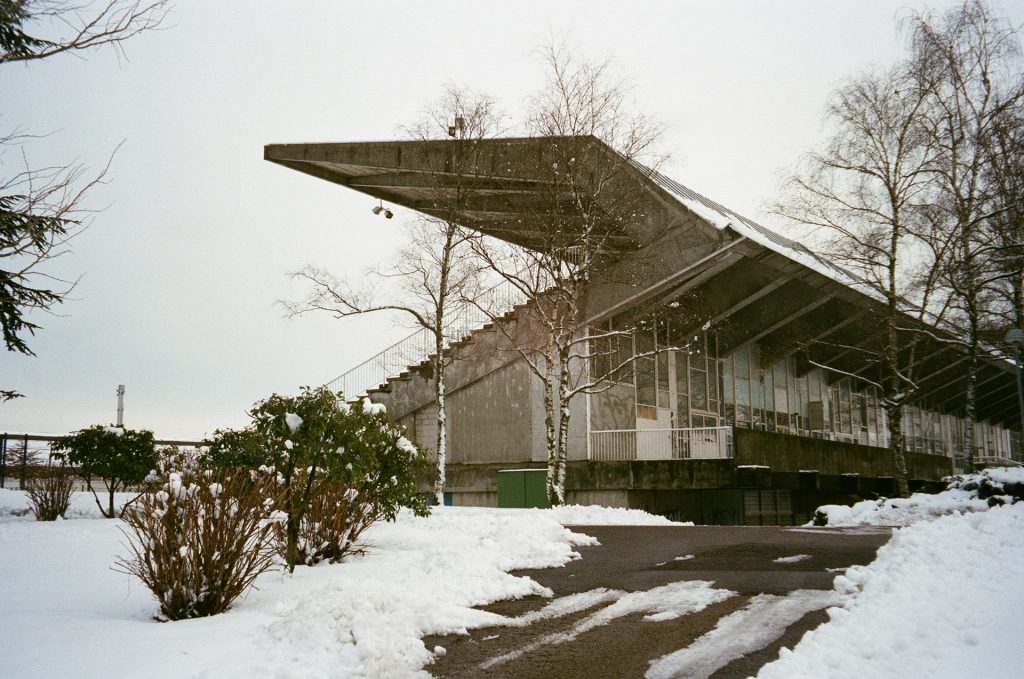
(943, 599)
(749, 629)
(791, 559)
(961, 496)
(593, 515)
(660, 603)
(1004, 475)
(364, 617)
(83, 506)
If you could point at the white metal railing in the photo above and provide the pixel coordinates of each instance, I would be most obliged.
(419, 345)
(698, 443)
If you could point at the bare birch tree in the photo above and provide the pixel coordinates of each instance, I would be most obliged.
(1006, 180)
(968, 63)
(585, 194)
(870, 190)
(436, 267)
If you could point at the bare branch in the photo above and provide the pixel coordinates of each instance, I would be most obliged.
(67, 27)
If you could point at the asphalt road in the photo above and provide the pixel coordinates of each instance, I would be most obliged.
(634, 559)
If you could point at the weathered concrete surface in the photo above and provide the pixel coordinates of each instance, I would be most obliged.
(785, 453)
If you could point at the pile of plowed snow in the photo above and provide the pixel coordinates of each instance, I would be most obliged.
(964, 493)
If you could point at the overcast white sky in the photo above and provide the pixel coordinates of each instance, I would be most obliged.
(181, 273)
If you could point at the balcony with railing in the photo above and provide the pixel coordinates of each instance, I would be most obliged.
(697, 443)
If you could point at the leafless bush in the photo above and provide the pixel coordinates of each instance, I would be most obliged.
(336, 517)
(200, 540)
(50, 496)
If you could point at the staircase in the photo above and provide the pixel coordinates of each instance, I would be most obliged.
(415, 352)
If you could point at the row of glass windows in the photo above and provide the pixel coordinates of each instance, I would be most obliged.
(685, 379)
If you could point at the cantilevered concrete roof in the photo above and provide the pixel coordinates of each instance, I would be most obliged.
(758, 284)
(507, 188)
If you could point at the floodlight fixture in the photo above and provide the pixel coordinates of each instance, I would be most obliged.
(388, 214)
(377, 209)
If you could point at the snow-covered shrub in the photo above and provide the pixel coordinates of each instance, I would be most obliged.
(964, 493)
(121, 457)
(334, 520)
(999, 485)
(200, 539)
(50, 496)
(233, 448)
(324, 451)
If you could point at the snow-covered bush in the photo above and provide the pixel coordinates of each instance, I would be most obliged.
(342, 467)
(50, 496)
(121, 457)
(964, 493)
(334, 520)
(1000, 485)
(200, 539)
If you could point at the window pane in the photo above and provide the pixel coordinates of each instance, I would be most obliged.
(728, 391)
(743, 413)
(645, 393)
(644, 340)
(682, 411)
(742, 364)
(757, 392)
(663, 375)
(713, 381)
(625, 347)
(742, 391)
(699, 390)
(681, 385)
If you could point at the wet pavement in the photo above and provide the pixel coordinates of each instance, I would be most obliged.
(773, 604)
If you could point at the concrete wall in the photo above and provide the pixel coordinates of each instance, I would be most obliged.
(493, 419)
(785, 453)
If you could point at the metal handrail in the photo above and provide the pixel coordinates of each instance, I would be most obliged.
(419, 345)
(661, 444)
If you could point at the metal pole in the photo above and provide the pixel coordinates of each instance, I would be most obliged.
(24, 464)
(120, 405)
(3, 461)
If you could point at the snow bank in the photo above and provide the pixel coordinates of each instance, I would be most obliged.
(420, 576)
(942, 599)
(360, 618)
(580, 515)
(966, 493)
(15, 503)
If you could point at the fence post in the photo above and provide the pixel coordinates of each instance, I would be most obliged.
(24, 465)
(3, 461)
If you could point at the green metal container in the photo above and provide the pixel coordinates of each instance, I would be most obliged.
(523, 488)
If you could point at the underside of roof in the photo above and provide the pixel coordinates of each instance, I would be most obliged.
(507, 188)
(758, 287)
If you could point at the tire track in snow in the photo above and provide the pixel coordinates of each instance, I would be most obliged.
(749, 629)
(661, 603)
